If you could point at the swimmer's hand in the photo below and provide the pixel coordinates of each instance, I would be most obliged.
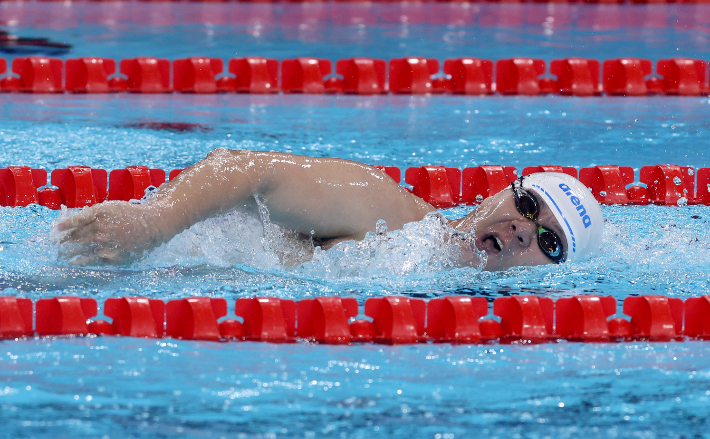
(114, 232)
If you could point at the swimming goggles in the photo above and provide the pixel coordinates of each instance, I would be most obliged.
(529, 207)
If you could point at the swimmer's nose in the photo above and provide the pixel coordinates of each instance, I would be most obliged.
(523, 233)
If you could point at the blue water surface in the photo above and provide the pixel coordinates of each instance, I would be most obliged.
(124, 387)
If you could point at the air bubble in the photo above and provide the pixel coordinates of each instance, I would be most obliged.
(676, 180)
(682, 201)
(479, 198)
(602, 193)
(691, 172)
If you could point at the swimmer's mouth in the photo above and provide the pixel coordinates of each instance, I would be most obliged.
(490, 244)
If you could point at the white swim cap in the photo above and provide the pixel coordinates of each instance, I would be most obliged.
(574, 207)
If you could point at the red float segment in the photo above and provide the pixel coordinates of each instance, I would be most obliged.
(174, 173)
(519, 76)
(89, 74)
(232, 329)
(470, 76)
(481, 182)
(569, 170)
(682, 76)
(626, 76)
(146, 75)
(697, 317)
(304, 75)
(455, 319)
(15, 317)
(655, 317)
(363, 331)
(392, 171)
(268, 319)
(3, 66)
(325, 319)
(576, 76)
(130, 183)
(50, 198)
(362, 76)
(136, 316)
(669, 185)
(525, 317)
(584, 317)
(39, 74)
(255, 74)
(608, 182)
(80, 186)
(196, 74)
(194, 318)
(64, 315)
(702, 195)
(18, 185)
(619, 328)
(437, 185)
(397, 320)
(412, 75)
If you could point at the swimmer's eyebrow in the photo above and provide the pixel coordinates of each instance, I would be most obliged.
(553, 224)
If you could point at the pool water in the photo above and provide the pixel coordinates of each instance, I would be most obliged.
(125, 387)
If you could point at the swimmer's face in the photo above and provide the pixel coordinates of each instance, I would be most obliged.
(508, 238)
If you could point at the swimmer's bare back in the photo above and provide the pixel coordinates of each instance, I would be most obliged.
(329, 199)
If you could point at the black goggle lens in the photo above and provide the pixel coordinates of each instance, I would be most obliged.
(527, 206)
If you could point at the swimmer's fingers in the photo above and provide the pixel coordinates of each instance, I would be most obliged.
(79, 234)
(78, 221)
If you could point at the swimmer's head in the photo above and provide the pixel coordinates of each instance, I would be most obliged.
(542, 218)
(575, 208)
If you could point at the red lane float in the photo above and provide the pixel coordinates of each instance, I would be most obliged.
(136, 316)
(325, 319)
(481, 182)
(194, 318)
(397, 320)
(454, 319)
(608, 182)
(146, 75)
(519, 76)
(64, 315)
(131, 183)
(626, 76)
(255, 74)
(576, 76)
(196, 74)
(525, 317)
(470, 76)
(36, 74)
(267, 319)
(304, 75)
(389, 320)
(584, 317)
(362, 76)
(683, 76)
(90, 75)
(412, 75)
(19, 184)
(437, 185)
(669, 185)
(15, 317)
(80, 186)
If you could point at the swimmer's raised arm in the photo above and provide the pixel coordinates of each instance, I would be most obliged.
(323, 197)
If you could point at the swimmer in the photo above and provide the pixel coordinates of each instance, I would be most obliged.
(540, 219)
